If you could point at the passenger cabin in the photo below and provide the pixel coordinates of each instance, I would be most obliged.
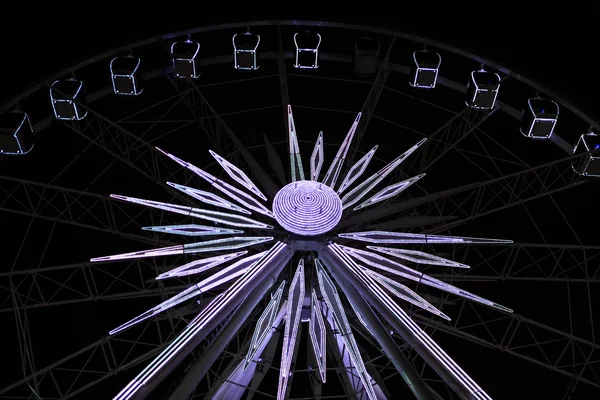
(184, 56)
(366, 53)
(307, 50)
(539, 118)
(68, 99)
(588, 164)
(424, 72)
(126, 75)
(482, 89)
(16, 133)
(245, 51)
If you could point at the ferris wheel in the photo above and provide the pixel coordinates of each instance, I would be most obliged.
(297, 209)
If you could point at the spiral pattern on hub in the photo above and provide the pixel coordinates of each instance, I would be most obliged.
(307, 208)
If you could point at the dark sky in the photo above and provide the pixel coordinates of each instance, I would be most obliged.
(554, 48)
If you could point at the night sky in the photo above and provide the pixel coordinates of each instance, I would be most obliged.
(557, 52)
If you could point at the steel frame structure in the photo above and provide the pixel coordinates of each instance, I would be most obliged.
(24, 289)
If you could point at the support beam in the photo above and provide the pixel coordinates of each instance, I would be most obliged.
(74, 207)
(376, 328)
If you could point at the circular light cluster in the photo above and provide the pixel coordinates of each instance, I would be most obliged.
(307, 208)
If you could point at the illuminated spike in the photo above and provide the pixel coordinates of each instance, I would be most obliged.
(318, 333)
(234, 193)
(357, 170)
(292, 321)
(208, 198)
(237, 175)
(403, 292)
(418, 257)
(334, 304)
(223, 276)
(264, 325)
(198, 266)
(354, 196)
(389, 192)
(295, 159)
(192, 230)
(377, 261)
(384, 237)
(208, 215)
(416, 333)
(338, 162)
(271, 262)
(317, 158)
(231, 243)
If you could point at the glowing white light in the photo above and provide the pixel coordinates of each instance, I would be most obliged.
(335, 306)
(389, 192)
(418, 257)
(313, 51)
(480, 95)
(192, 230)
(183, 55)
(292, 321)
(208, 198)
(264, 325)
(295, 160)
(356, 170)
(428, 68)
(384, 237)
(353, 196)
(237, 175)
(307, 208)
(198, 266)
(241, 51)
(333, 172)
(208, 215)
(128, 76)
(231, 243)
(234, 193)
(317, 158)
(318, 332)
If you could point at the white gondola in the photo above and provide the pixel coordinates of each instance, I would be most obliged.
(539, 118)
(589, 163)
(126, 75)
(482, 89)
(424, 73)
(68, 98)
(307, 50)
(245, 51)
(184, 56)
(366, 53)
(16, 133)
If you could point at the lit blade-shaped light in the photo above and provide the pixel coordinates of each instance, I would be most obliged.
(425, 342)
(211, 282)
(317, 158)
(292, 321)
(318, 332)
(357, 170)
(271, 262)
(192, 230)
(389, 192)
(264, 325)
(237, 175)
(384, 237)
(403, 292)
(379, 262)
(354, 196)
(295, 159)
(234, 193)
(334, 304)
(231, 243)
(418, 257)
(208, 198)
(334, 170)
(198, 266)
(200, 213)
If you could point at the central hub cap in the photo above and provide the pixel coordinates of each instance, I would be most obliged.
(307, 208)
